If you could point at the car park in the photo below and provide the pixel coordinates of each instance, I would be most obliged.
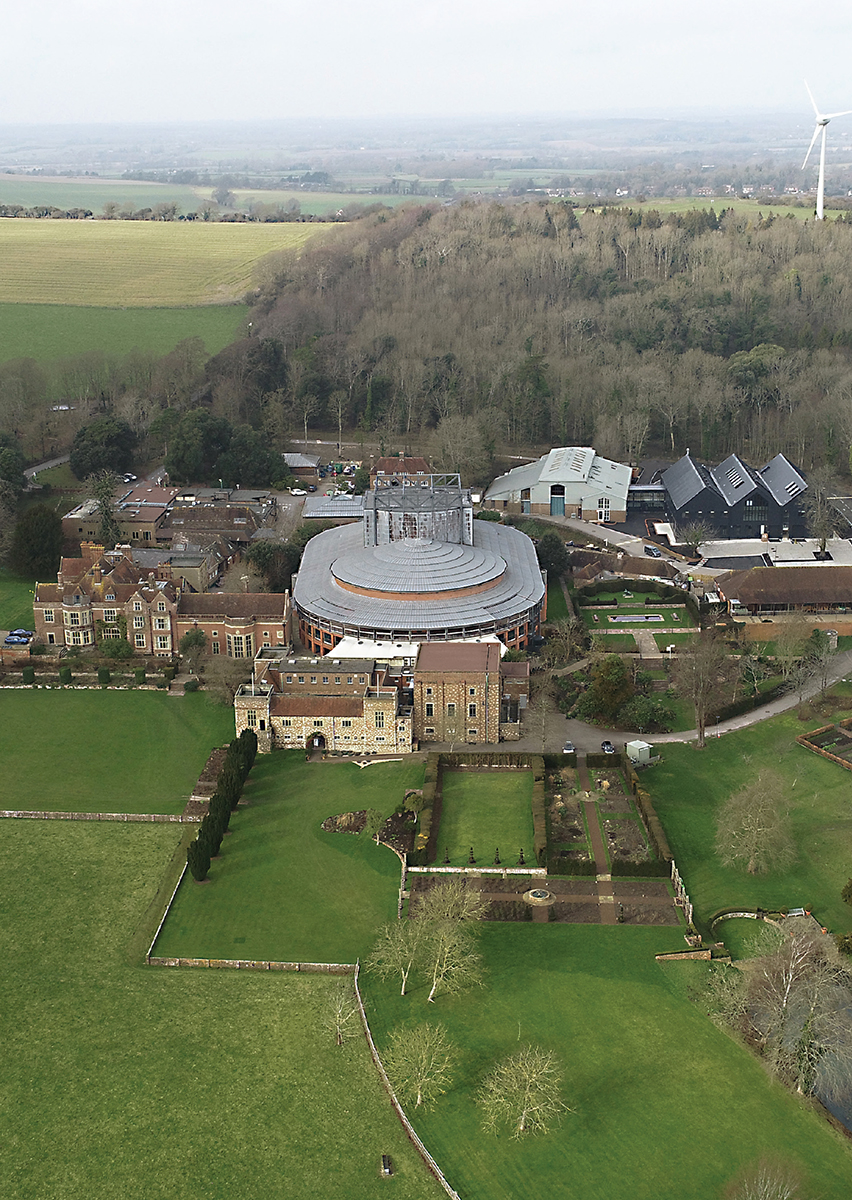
(653, 552)
(607, 748)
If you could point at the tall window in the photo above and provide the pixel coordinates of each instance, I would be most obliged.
(49, 616)
(430, 710)
(380, 720)
(251, 719)
(138, 622)
(139, 639)
(471, 710)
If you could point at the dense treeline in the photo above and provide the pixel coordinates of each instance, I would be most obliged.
(533, 323)
(487, 326)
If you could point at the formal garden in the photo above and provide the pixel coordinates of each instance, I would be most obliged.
(483, 812)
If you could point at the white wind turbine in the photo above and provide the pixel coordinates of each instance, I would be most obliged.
(822, 120)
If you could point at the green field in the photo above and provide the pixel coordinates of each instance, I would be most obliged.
(285, 890)
(138, 264)
(689, 785)
(46, 332)
(672, 639)
(98, 751)
(557, 609)
(487, 810)
(16, 600)
(665, 1104)
(319, 204)
(134, 1082)
(94, 193)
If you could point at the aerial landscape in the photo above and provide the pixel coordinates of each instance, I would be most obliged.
(425, 514)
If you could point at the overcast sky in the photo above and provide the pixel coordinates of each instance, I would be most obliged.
(104, 60)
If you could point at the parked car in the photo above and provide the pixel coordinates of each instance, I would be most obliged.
(607, 748)
(312, 487)
(569, 748)
(14, 640)
(128, 478)
(298, 492)
(21, 633)
(653, 552)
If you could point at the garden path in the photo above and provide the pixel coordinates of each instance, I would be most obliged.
(606, 896)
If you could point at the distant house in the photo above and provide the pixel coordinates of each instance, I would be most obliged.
(570, 481)
(736, 500)
(303, 466)
(763, 591)
(387, 469)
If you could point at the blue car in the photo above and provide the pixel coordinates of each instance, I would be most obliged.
(21, 633)
(14, 640)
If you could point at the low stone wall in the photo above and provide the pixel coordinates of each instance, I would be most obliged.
(144, 818)
(676, 954)
(251, 964)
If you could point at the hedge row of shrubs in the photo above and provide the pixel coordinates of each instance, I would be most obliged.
(105, 676)
(229, 787)
(539, 811)
(747, 703)
(570, 866)
(425, 841)
(640, 870)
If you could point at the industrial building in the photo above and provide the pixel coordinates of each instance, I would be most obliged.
(569, 481)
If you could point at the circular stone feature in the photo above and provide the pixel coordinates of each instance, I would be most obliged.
(539, 896)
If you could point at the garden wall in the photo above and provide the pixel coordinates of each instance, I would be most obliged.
(805, 740)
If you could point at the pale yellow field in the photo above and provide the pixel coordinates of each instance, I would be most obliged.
(138, 264)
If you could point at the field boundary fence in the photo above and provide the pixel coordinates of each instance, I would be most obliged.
(400, 1111)
(254, 964)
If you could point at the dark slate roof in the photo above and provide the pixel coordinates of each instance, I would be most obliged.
(782, 480)
(734, 479)
(685, 480)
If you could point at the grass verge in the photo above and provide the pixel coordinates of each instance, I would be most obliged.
(16, 600)
(485, 810)
(141, 1082)
(646, 1073)
(98, 751)
(285, 890)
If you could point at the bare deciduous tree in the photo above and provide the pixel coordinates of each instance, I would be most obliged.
(523, 1092)
(451, 958)
(397, 950)
(700, 674)
(753, 828)
(765, 1181)
(340, 1011)
(419, 1062)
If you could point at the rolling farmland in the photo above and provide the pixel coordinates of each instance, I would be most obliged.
(137, 264)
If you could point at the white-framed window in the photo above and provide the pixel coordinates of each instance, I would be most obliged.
(160, 623)
(139, 640)
(301, 679)
(72, 618)
(380, 720)
(109, 596)
(161, 607)
(76, 637)
(215, 647)
(313, 679)
(348, 678)
(251, 719)
(49, 616)
(112, 632)
(110, 615)
(163, 642)
(325, 679)
(137, 605)
(138, 622)
(361, 679)
(337, 679)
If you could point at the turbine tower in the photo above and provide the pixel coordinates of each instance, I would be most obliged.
(822, 120)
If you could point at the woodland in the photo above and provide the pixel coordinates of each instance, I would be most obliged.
(483, 329)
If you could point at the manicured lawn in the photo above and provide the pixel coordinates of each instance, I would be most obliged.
(649, 1077)
(557, 609)
(614, 642)
(47, 332)
(133, 1082)
(672, 639)
(100, 751)
(689, 785)
(16, 600)
(285, 890)
(487, 810)
(670, 616)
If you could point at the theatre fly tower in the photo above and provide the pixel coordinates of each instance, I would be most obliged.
(419, 568)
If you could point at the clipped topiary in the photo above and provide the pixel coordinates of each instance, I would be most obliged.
(29, 675)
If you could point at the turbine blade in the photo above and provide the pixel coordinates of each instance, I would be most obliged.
(829, 116)
(813, 102)
(813, 139)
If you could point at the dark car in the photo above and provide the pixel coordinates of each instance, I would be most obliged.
(14, 640)
(21, 633)
(653, 552)
(607, 748)
(312, 487)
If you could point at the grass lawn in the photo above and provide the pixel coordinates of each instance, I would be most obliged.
(285, 890)
(134, 1082)
(670, 617)
(672, 639)
(557, 609)
(99, 751)
(689, 785)
(138, 264)
(613, 642)
(47, 332)
(486, 810)
(16, 600)
(647, 1074)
